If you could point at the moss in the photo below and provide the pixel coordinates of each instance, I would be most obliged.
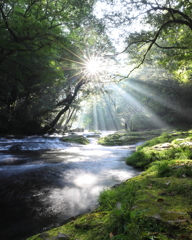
(126, 138)
(157, 150)
(84, 227)
(167, 137)
(76, 139)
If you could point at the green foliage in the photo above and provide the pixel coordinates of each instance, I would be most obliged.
(165, 31)
(109, 198)
(41, 39)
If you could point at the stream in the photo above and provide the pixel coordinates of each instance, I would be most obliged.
(48, 181)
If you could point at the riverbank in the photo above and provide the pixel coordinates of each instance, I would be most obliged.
(154, 205)
(124, 137)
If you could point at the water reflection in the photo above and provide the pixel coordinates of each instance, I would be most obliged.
(41, 189)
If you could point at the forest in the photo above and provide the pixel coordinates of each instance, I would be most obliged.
(83, 61)
(96, 119)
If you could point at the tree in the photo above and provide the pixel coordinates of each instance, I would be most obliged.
(37, 38)
(151, 25)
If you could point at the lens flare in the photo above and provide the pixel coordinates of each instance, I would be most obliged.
(92, 66)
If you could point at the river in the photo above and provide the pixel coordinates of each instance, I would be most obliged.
(49, 181)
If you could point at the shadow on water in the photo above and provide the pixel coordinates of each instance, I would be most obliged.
(41, 189)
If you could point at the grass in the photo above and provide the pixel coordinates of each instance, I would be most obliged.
(157, 204)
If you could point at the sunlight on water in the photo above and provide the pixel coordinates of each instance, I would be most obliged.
(76, 201)
(96, 153)
(52, 185)
(85, 180)
(120, 175)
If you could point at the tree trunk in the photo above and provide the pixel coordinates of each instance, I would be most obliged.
(69, 118)
(69, 100)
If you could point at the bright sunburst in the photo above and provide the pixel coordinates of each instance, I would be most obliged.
(92, 66)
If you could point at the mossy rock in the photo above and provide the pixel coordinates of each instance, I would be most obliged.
(76, 139)
(126, 138)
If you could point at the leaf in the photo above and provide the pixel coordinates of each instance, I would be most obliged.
(133, 214)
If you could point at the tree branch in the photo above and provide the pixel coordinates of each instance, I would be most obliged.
(170, 47)
(7, 25)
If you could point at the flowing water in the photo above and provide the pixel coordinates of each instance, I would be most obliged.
(44, 181)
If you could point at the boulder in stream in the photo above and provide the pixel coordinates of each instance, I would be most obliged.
(76, 139)
(16, 147)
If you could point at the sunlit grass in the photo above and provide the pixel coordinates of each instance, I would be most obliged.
(157, 149)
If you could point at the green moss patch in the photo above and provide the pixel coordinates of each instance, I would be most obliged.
(76, 139)
(165, 147)
(126, 138)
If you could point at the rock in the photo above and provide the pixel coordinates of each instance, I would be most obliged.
(93, 136)
(186, 143)
(157, 216)
(75, 139)
(16, 147)
(162, 146)
(77, 130)
(44, 235)
(61, 236)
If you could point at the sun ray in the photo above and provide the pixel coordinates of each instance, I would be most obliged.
(82, 77)
(73, 61)
(74, 54)
(75, 68)
(75, 75)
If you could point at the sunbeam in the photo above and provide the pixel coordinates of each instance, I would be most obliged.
(141, 108)
(154, 97)
(96, 71)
